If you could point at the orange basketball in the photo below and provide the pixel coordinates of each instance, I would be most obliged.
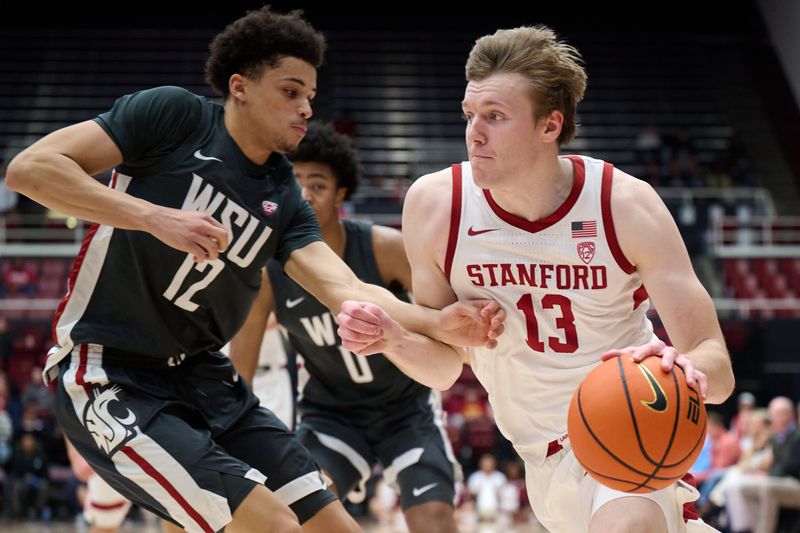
(634, 427)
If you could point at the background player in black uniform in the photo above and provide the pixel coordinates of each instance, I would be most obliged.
(201, 198)
(354, 410)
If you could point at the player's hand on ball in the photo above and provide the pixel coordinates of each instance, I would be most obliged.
(669, 357)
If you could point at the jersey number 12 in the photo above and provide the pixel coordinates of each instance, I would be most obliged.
(184, 300)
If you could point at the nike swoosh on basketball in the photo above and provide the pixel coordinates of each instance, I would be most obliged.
(659, 403)
(417, 491)
(294, 303)
(198, 155)
(472, 232)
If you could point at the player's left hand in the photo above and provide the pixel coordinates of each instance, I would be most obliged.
(669, 357)
(365, 328)
(471, 323)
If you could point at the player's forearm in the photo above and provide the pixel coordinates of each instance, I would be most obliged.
(58, 182)
(415, 318)
(711, 358)
(425, 360)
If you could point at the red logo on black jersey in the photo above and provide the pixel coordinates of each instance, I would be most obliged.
(586, 251)
(268, 207)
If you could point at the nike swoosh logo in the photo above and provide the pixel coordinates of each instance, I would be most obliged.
(659, 403)
(417, 491)
(198, 155)
(294, 303)
(472, 232)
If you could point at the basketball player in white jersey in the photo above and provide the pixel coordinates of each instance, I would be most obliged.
(567, 245)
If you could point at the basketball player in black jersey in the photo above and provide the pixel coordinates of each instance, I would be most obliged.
(201, 198)
(354, 410)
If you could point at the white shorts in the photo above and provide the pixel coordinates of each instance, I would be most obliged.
(560, 483)
(103, 506)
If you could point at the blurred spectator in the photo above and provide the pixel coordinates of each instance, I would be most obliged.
(34, 421)
(514, 507)
(37, 392)
(719, 174)
(754, 500)
(474, 407)
(28, 478)
(484, 485)
(6, 338)
(29, 347)
(9, 402)
(6, 436)
(753, 459)
(18, 279)
(648, 146)
(745, 403)
(724, 451)
(346, 124)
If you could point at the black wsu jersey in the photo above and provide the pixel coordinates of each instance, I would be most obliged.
(132, 293)
(339, 378)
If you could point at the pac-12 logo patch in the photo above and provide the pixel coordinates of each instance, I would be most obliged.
(268, 207)
(586, 251)
(109, 430)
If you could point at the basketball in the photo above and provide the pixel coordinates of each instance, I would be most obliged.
(634, 427)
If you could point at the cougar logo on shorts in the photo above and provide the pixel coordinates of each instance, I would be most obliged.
(109, 431)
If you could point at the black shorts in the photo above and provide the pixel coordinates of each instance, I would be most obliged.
(409, 440)
(187, 442)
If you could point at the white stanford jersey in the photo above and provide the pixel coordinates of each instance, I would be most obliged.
(569, 293)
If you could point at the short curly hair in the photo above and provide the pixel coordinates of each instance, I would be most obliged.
(259, 40)
(323, 144)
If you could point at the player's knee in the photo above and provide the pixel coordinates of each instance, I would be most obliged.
(431, 516)
(629, 514)
(262, 511)
(274, 523)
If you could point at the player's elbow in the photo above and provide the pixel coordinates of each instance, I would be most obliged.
(727, 385)
(17, 172)
(722, 383)
(447, 378)
(21, 172)
(448, 382)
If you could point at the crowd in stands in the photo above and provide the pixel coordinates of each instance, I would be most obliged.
(748, 473)
(671, 158)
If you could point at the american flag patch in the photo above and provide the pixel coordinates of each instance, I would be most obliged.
(584, 229)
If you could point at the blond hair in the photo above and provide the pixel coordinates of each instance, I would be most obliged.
(553, 68)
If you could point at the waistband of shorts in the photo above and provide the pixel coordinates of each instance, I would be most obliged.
(112, 357)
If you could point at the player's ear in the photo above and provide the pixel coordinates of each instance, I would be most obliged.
(237, 87)
(341, 194)
(552, 125)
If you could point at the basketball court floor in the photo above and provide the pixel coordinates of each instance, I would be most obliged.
(470, 525)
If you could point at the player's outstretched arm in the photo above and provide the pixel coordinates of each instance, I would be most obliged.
(322, 273)
(246, 344)
(57, 170)
(650, 240)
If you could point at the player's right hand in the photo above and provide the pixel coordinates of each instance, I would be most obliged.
(193, 232)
